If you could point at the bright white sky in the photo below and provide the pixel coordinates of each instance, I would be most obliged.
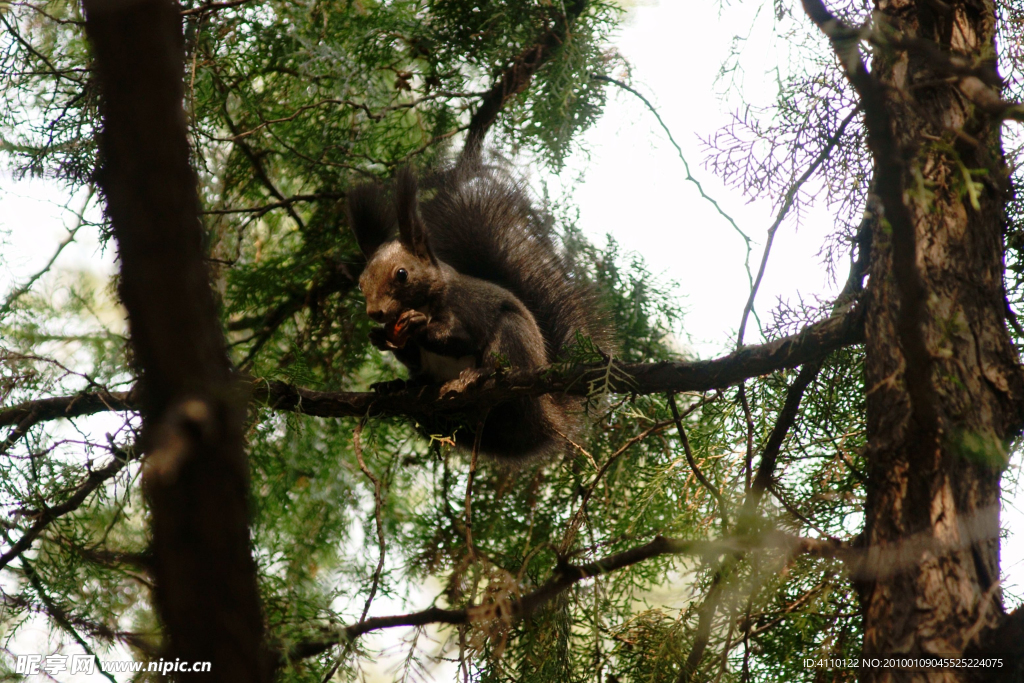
(634, 188)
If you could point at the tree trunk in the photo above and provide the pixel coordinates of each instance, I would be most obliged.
(195, 471)
(930, 585)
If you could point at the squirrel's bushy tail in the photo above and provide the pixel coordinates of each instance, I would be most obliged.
(482, 222)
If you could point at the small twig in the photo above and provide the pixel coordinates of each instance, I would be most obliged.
(810, 344)
(378, 513)
(20, 291)
(705, 482)
(58, 614)
(49, 514)
(689, 176)
(574, 525)
(469, 489)
(791, 509)
(787, 203)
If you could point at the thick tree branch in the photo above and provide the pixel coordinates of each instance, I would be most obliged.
(813, 343)
(76, 405)
(810, 344)
(195, 471)
(516, 77)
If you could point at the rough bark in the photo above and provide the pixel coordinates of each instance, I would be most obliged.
(194, 468)
(938, 426)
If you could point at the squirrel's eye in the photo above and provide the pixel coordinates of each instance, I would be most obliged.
(401, 275)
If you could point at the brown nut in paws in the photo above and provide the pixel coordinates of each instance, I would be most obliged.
(398, 332)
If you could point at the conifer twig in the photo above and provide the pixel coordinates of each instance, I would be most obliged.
(705, 482)
(58, 614)
(48, 514)
(378, 513)
(517, 76)
(378, 503)
(787, 203)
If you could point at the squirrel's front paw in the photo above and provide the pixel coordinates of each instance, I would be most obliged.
(389, 387)
(412, 320)
(397, 333)
(394, 385)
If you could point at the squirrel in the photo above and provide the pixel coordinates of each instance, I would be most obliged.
(472, 279)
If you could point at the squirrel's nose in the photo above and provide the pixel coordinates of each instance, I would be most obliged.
(377, 315)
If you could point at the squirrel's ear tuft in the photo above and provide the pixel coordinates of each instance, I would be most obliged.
(411, 231)
(370, 217)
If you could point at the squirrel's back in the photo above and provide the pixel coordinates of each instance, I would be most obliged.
(482, 223)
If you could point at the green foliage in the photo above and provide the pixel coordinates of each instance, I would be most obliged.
(290, 104)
